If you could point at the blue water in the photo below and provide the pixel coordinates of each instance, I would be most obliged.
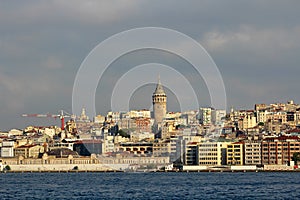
(150, 186)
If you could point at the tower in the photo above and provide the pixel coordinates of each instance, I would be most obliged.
(159, 100)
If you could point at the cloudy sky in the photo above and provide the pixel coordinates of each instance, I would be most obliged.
(255, 44)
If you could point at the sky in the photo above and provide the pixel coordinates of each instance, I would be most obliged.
(255, 45)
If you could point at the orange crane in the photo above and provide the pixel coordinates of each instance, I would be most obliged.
(61, 116)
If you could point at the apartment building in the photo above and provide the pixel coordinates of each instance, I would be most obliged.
(211, 153)
(235, 153)
(279, 150)
(252, 152)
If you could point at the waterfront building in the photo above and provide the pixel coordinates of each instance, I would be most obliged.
(28, 151)
(127, 158)
(162, 148)
(279, 150)
(7, 149)
(108, 144)
(252, 149)
(178, 145)
(49, 161)
(235, 153)
(211, 153)
(137, 148)
(190, 157)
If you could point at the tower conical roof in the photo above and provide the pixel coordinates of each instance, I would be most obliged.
(159, 88)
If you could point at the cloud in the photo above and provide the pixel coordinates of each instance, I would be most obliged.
(48, 12)
(52, 63)
(266, 42)
(255, 44)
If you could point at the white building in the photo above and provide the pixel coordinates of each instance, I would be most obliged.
(205, 116)
(7, 149)
(113, 116)
(15, 132)
(139, 136)
(218, 116)
(211, 153)
(99, 119)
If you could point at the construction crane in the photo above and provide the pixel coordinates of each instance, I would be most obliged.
(61, 116)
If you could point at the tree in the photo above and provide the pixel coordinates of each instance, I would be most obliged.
(7, 168)
(261, 124)
(123, 134)
(296, 157)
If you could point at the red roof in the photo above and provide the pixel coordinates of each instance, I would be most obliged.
(296, 130)
(240, 142)
(26, 146)
(192, 143)
(88, 142)
(284, 137)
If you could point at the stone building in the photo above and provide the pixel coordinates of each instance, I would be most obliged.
(159, 100)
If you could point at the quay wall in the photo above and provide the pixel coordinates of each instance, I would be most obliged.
(60, 167)
(278, 168)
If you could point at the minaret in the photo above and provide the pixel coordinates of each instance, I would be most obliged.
(159, 100)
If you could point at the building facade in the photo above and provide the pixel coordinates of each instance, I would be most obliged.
(279, 150)
(159, 100)
(235, 154)
(252, 153)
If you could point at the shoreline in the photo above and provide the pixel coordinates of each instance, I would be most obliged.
(120, 171)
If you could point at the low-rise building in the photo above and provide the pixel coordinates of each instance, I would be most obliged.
(7, 149)
(28, 151)
(126, 158)
(137, 147)
(162, 148)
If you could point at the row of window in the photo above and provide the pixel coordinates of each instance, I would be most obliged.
(253, 153)
(208, 158)
(280, 144)
(235, 150)
(252, 158)
(279, 149)
(200, 149)
(208, 163)
(208, 154)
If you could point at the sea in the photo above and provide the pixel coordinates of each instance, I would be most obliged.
(171, 185)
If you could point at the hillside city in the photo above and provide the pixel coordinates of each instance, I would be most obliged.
(265, 137)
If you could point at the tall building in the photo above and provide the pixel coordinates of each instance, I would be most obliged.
(218, 116)
(279, 150)
(205, 116)
(252, 149)
(159, 100)
(235, 153)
